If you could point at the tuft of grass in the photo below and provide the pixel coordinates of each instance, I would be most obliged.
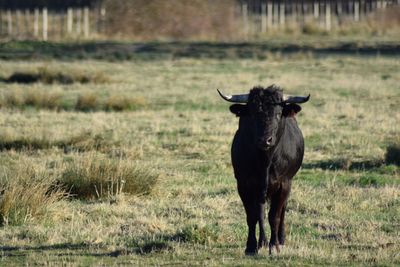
(42, 99)
(35, 98)
(97, 77)
(120, 103)
(27, 193)
(87, 102)
(13, 99)
(87, 141)
(93, 177)
(194, 233)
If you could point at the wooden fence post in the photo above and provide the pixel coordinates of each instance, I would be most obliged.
(245, 19)
(276, 13)
(69, 21)
(78, 21)
(102, 19)
(328, 16)
(263, 17)
(282, 15)
(36, 22)
(339, 9)
(27, 20)
(9, 22)
(316, 10)
(86, 22)
(17, 22)
(44, 14)
(356, 11)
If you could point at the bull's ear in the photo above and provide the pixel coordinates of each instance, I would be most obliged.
(239, 110)
(291, 110)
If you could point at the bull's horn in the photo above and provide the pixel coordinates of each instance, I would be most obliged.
(295, 99)
(234, 98)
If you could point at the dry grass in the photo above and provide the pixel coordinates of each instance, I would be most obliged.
(28, 193)
(87, 102)
(94, 177)
(40, 98)
(121, 103)
(35, 98)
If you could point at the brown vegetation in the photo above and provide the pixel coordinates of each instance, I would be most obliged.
(173, 19)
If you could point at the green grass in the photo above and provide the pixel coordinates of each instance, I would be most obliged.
(344, 205)
(268, 47)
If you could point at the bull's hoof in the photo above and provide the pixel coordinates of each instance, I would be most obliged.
(250, 252)
(281, 239)
(271, 248)
(262, 243)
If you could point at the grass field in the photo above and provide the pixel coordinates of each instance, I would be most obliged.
(174, 133)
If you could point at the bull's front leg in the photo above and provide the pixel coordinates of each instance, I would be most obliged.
(250, 205)
(251, 245)
(262, 240)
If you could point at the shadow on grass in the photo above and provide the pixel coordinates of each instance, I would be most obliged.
(46, 247)
(64, 249)
(115, 51)
(342, 164)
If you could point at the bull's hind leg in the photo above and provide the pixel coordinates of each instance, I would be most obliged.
(281, 231)
(274, 218)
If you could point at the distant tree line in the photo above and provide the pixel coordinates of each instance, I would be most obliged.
(50, 4)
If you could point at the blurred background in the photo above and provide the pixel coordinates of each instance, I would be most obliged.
(195, 20)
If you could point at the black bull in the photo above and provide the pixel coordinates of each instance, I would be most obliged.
(267, 151)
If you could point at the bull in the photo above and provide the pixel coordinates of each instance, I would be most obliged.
(267, 151)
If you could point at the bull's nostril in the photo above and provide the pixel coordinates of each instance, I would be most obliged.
(269, 140)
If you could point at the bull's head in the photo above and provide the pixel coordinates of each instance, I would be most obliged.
(265, 110)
